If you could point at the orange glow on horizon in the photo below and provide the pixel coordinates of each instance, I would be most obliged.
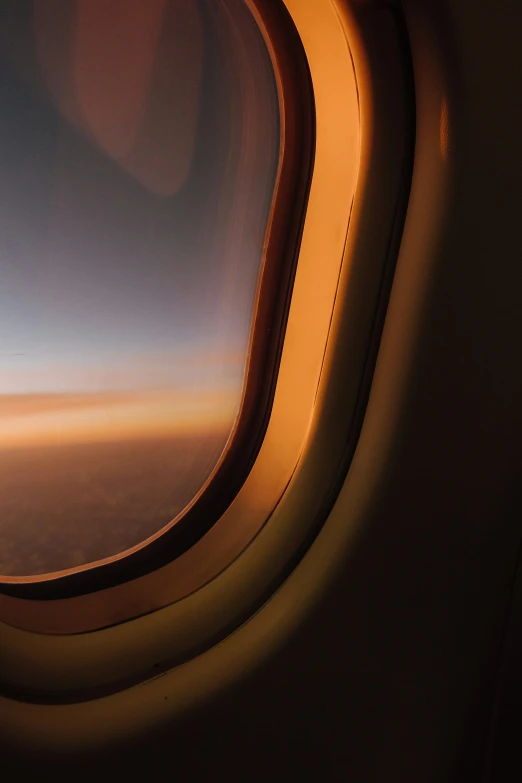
(55, 419)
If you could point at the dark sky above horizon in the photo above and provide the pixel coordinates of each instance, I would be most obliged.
(131, 229)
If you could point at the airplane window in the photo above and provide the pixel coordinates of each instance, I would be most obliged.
(139, 147)
(202, 206)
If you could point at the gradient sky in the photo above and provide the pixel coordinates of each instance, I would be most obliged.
(126, 261)
(139, 145)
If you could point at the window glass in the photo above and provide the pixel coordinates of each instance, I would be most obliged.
(139, 145)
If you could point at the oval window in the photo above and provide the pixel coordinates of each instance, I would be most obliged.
(139, 146)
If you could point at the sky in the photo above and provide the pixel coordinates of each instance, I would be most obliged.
(134, 201)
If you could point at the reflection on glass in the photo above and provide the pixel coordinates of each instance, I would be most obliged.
(138, 151)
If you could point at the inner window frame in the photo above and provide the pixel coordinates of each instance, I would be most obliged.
(277, 269)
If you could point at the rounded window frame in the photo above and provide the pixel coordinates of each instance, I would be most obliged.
(270, 309)
(57, 651)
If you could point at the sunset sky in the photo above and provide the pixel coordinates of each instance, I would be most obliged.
(128, 262)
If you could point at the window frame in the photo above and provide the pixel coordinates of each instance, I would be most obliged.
(270, 310)
(46, 657)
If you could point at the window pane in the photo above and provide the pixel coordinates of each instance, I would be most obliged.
(139, 145)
